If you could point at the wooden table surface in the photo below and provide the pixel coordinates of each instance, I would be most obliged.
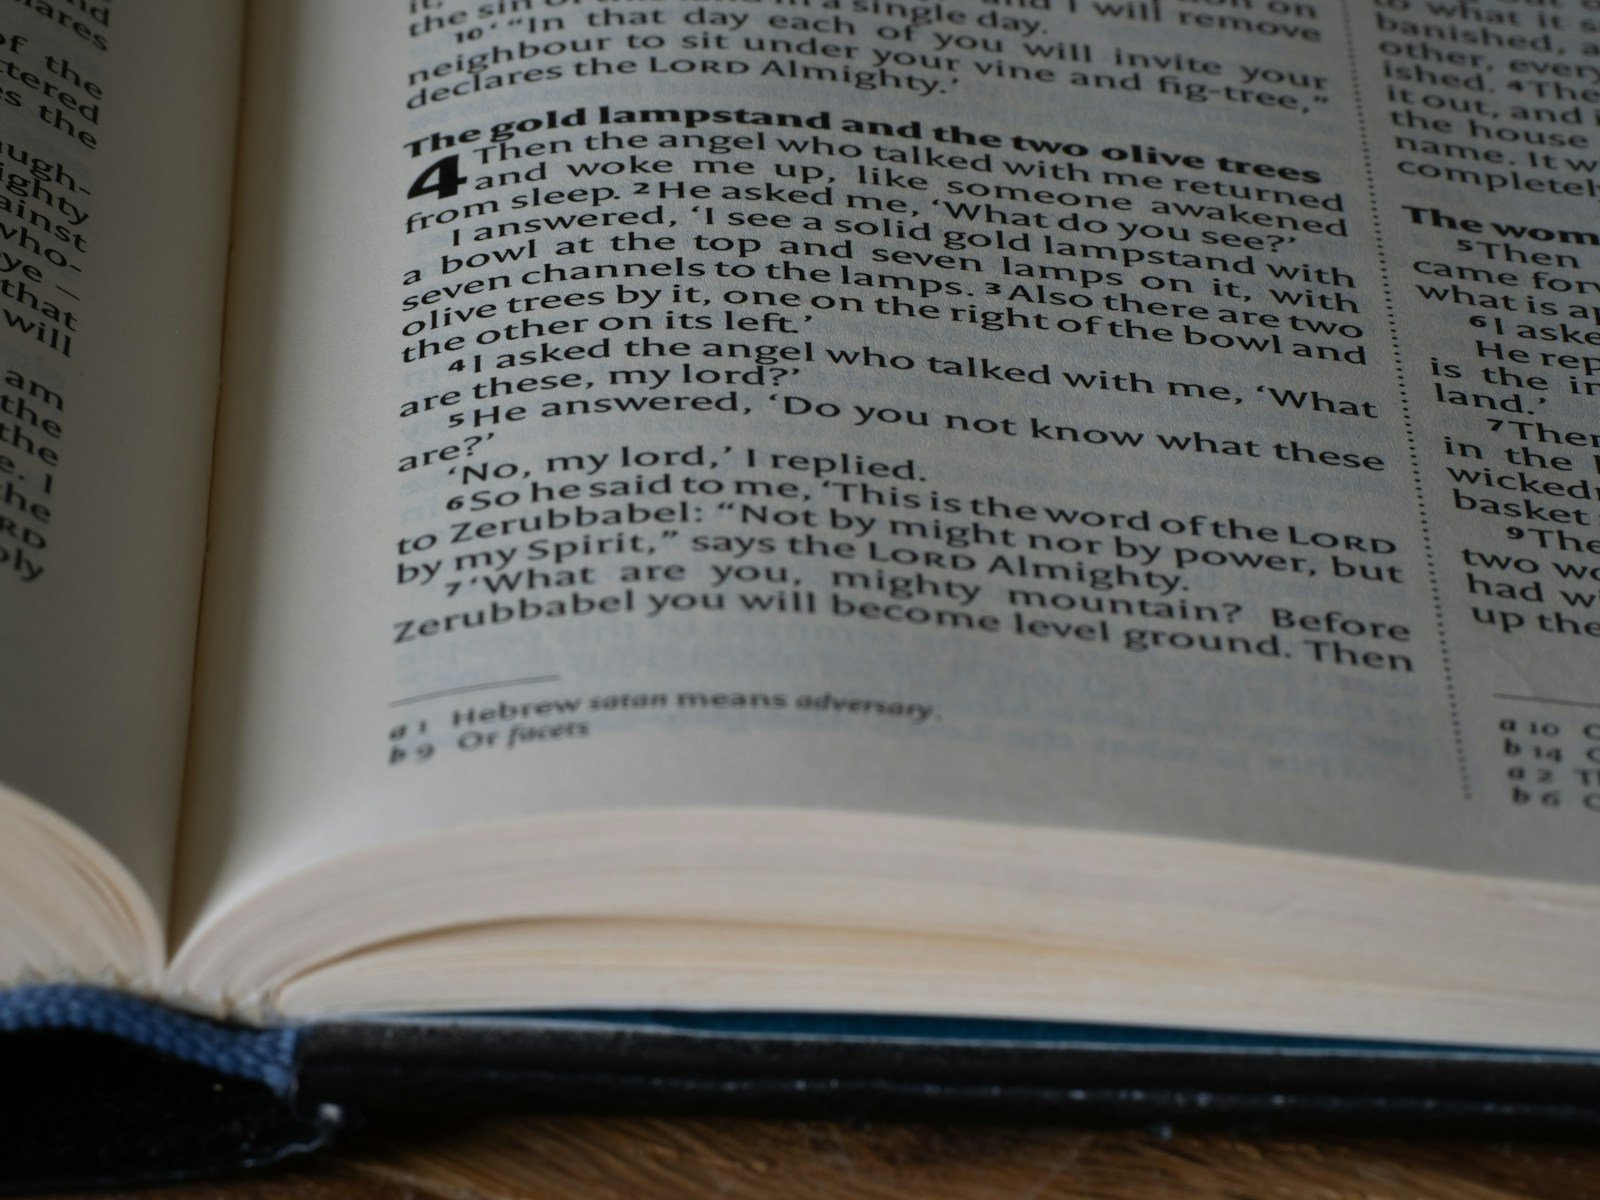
(641, 1159)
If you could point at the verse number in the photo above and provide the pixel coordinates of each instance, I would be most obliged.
(1521, 796)
(419, 751)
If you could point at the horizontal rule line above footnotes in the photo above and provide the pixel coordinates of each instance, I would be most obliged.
(1548, 700)
(476, 687)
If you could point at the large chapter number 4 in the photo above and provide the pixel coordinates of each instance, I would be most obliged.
(442, 179)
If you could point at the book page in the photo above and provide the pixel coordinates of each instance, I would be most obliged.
(1165, 416)
(116, 158)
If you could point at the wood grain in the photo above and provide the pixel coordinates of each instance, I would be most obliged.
(517, 1158)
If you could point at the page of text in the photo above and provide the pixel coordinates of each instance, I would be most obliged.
(116, 160)
(1155, 415)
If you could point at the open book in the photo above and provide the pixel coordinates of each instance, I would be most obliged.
(1060, 509)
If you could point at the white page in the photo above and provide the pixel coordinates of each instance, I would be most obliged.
(118, 134)
(1163, 566)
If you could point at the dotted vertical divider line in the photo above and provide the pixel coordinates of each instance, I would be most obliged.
(1405, 402)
